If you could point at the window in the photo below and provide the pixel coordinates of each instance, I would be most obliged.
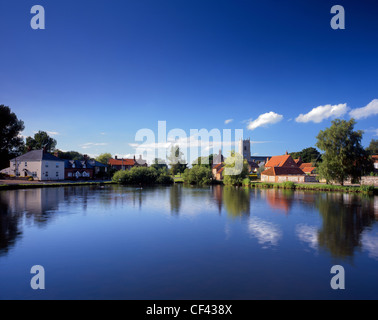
(245, 148)
(69, 174)
(57, 174)
(26, 164)
(47, 165)
(47, 174)
(57, 165)
(34, 174)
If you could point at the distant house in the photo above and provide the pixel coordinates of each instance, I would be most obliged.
(126, 164)
(375, 159)
(84, 169)
(308, 168)
(218, 171)
(282, 168)
(37, 164)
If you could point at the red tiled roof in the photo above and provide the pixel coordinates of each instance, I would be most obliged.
(281, 161)
(306, 165)
(283, 171)
(121, 162)
(308, 169)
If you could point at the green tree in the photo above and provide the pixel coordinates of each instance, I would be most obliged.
(307, 155)
(40, 141)
(104, 158)
(11, 144)
(159, 164)
(176, 160)
(199, 175)
(373, 147)
(69, 155)
(235, 169)
(204, 161)
(343, 155)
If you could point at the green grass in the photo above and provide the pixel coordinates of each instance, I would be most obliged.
(49, 185)
(319, 187)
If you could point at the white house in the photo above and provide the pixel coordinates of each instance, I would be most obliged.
(38, 164)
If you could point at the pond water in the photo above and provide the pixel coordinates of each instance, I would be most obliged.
(182, 242)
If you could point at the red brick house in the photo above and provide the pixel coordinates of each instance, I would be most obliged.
(282, 168)
(126, 164)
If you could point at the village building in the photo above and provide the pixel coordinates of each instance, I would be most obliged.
(282, 168)
(38, 164)
(84, 169)
(126, 164)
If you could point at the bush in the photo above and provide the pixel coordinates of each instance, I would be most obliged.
(142, 176)
(30, 179)
(199, 175)
(246, 182)
(288, 185)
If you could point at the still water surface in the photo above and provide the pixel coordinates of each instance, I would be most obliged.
(187, 243)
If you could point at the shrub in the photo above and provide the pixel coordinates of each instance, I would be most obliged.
(142, 176)
(199, 175)
(246, 182)
(288, 185)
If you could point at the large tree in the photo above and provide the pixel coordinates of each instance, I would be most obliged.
(69, 155)
(104, 158)
(41, 140)
(176, 161)
(11, 144)
(373, 147)
(307, 155)
(343, 157)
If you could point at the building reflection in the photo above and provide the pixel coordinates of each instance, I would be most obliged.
(280, 200)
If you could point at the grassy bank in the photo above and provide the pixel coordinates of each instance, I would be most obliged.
(317, 187)
(49, 185)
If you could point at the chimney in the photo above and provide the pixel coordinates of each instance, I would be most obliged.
(85, 157)
(286, 153)
(115, 157)
(56, 154)
(134, 158)
(44, 149)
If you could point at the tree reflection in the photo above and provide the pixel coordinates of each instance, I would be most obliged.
(9, 226)
(236, 201)
(345, 217)
(175, 199)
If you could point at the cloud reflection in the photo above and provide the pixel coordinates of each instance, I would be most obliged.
(267, 233)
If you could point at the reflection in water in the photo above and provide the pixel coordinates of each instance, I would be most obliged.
(308, 234)
(237, 201)
(267, 233)
(279, 199)
(345, 217)
(175, 199)
(345, 225)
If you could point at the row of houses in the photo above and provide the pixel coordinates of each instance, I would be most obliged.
(43, 166)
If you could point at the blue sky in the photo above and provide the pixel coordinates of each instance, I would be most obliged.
(102, 70)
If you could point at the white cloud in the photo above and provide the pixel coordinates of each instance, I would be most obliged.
(264, 119)
(370, 110)
(228, 121)
(92, 144)
(52, 133)
(321, 113)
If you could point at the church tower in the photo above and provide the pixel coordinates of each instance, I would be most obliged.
(245, 149)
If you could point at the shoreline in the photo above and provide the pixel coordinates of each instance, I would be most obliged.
(258, 185)
(17, 186)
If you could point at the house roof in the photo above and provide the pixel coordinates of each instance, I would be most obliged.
(121, 162)
(82, 164)
(281, 161)
(283, 171)
(37, 155)
(308, 169)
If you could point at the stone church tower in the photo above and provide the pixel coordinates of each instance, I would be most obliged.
(244, 149)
